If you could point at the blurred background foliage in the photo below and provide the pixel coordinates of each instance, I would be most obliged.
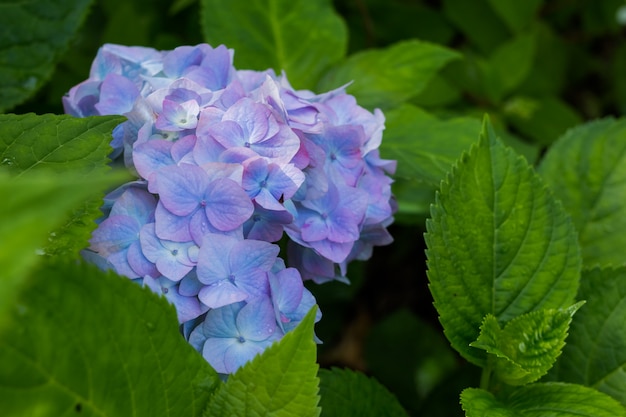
(536, 67)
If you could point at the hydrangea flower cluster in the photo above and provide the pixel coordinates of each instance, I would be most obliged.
(228, 163)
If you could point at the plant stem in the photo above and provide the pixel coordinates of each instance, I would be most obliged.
(485, 377)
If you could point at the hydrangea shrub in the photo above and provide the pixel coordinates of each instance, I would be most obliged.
(228, 164)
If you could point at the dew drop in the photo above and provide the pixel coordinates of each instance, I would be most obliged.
(150, 325)
(522, 347)
(241, 339)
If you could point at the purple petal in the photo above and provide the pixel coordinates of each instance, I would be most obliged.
(221, 293)
(227, 204)
(256, 321)
(182, 188)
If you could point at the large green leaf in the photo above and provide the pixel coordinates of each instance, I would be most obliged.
(346, 393)
(586, 168)
(424, 146)
(528, 345)
(280, 382)
(480, 403)
(80, 341)
(34, 205)
(33, 36)
(387, 77)
(498, 243)
(63, 145)
(57, 143)
(595, 354)
(301, 37)
(542, 400)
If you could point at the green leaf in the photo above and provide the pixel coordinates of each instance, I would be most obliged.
(84, 342)
(301, 37)
(595, 354)
(586, 168)
(57, 143)
(387, 77)
(282, 381)
(478, 22)
(424, 146)
(38, 203)
(542, 400)
(498, 243)
(62, 145)
(516, 14)
(480, 403)
(33, 36)
(528, 345)
(541, 119)
(346, 393)
(562, 400)
(508, 66)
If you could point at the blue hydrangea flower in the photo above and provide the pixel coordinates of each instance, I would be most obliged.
(234, 334)
(227, 163)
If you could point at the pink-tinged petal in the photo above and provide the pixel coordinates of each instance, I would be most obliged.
(227, 204)
(314, 227)
(221, 293)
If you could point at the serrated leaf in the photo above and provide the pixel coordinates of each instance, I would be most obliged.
(516, 14)
(38, 203)
(480, 403)
(80, 341)
(586, 168)
(56, 143)
(528, 345)
(33, 36)
(498, 243)
(346, 393)
(282, 381)
(61, 145)
(562, 400)
(301, 37)
(541, 400)
(424, 146)
(387, 77)
(595, 354)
